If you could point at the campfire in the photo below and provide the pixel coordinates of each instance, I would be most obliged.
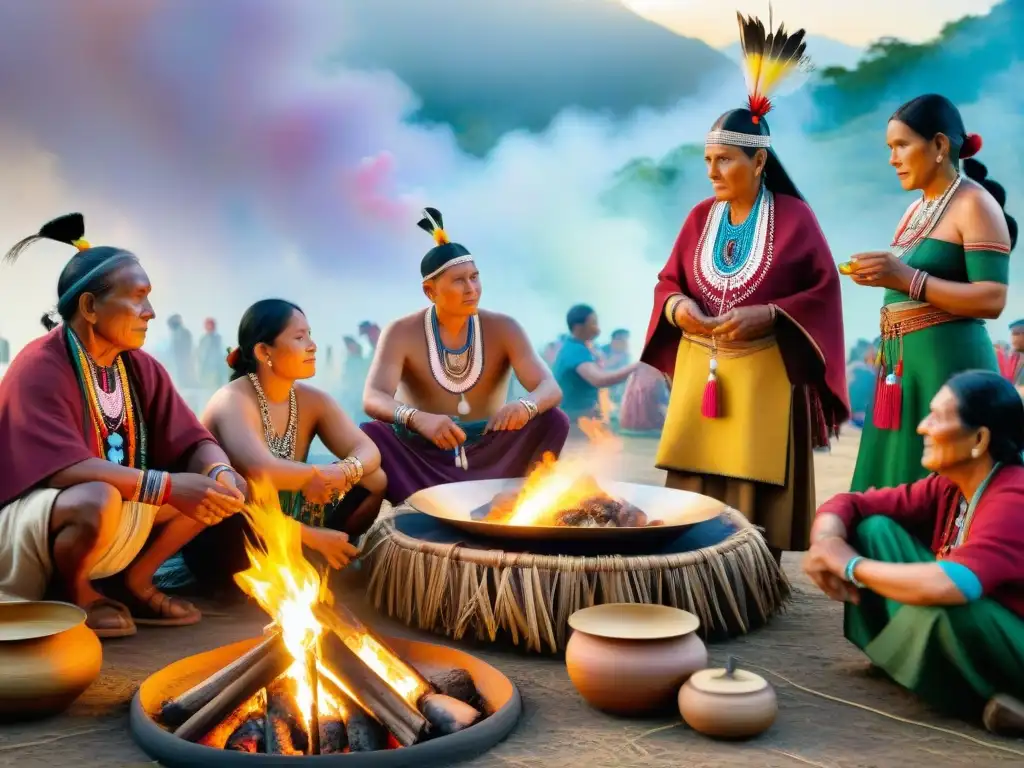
(565, 493)
(321, 682)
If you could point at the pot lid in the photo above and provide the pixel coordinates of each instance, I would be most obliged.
(634, 621)
(728, 680)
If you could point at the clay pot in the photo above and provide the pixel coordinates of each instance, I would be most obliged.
(728, 703)
(49, 658)
(629, 658)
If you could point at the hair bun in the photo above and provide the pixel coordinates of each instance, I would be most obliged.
(975, 171)
(971, 146)
(233, 358)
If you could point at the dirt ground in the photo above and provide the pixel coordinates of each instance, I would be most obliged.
(558, 730)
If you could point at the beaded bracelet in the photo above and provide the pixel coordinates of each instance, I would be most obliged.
(531, 408)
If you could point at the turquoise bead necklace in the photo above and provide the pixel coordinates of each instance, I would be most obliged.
(735, 242)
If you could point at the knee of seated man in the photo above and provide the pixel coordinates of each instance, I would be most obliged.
(557, 420)
(94, 508)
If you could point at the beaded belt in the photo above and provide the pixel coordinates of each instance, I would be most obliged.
(897, 320)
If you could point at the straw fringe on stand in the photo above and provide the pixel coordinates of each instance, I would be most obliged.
(462, 592)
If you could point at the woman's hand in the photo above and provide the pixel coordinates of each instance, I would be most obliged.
(745, 323)
(317, 489)
(825, 564)
(880, 269)
(335, 546)
(690, 319)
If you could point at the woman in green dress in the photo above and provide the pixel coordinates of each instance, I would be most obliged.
(946, 274)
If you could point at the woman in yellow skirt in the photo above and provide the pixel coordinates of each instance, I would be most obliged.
(747, 321)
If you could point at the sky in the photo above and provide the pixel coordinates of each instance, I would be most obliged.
(855, 22)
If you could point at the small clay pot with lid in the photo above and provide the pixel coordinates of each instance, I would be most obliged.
(631, 658)
(729, 703)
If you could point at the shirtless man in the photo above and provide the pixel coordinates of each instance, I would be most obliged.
(439, 381)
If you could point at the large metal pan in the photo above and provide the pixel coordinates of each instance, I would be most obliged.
(463, 504)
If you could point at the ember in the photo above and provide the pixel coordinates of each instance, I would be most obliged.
(321, 682)
(553, 497)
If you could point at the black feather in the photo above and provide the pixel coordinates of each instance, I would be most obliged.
(431, 226)
(64, 229)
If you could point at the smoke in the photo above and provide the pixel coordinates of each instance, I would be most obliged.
(212, 139)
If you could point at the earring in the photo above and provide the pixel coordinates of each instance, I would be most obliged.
(270, 363)
(975, 453)
(938, 159)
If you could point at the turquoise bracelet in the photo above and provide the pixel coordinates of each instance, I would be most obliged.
(848, 572)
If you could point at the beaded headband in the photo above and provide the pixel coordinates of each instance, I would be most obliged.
(448, 265)
(737, 139)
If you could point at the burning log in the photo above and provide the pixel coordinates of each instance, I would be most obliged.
(179, 709)
(220, 707)
(458, 684)
(447, 715)
(333, 736)
(284, 728)
(364, 733)
(248, 737)
(400, 717)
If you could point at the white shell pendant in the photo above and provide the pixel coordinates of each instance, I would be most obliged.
(463, 406)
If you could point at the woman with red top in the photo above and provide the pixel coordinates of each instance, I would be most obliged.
(946, 619)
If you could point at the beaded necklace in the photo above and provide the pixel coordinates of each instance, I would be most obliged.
(456, 370)
(734, 243)
(920, 219)
(112, 413)
(959, 525)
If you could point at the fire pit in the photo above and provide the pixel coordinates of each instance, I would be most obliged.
(320, 684)
(497, 697)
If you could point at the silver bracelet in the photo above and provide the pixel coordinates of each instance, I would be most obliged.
(531, 408)
(403, 414)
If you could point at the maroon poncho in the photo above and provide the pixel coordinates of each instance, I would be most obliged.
(993, 548)
(44, 425)
(801, 279)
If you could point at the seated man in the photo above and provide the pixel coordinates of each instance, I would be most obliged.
(449, 368)
(91, 430)
(945, 620)
(577, 370)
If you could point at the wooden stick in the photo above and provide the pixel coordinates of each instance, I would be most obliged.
(314, 715)
(259, 675)
(179, 709)
(285, 732)
(400, 717)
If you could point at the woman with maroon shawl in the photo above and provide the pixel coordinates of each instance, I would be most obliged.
(747, 320)
(104, 471)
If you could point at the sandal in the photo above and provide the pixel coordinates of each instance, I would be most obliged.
(156, 609)
(99, 616)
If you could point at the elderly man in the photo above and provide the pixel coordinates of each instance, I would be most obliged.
(437, 386)
(105, 470)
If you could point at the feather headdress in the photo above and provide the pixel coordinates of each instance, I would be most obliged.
(445, 253)
(768, 59)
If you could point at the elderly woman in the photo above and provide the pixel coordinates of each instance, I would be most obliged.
(104, 471)
(944, 619)
(945, 274)
(748, 321)
(267, 420)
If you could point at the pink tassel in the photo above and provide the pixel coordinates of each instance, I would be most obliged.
(709, 403)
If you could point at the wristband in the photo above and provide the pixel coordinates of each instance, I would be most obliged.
(138, 487)
(850, 567)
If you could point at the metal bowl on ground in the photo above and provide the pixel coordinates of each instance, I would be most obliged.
(499, 693)
(48, 656)
(464, 504)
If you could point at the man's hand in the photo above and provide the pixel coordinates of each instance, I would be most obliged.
(335, 546)
(745, 324)
(231, 479)
(202, 499)
(318, 489)
(508, 418)
(690, 319)
(440, 430)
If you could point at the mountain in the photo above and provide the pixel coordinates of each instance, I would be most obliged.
(488, 68)
(823, 52)
(958, 63)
